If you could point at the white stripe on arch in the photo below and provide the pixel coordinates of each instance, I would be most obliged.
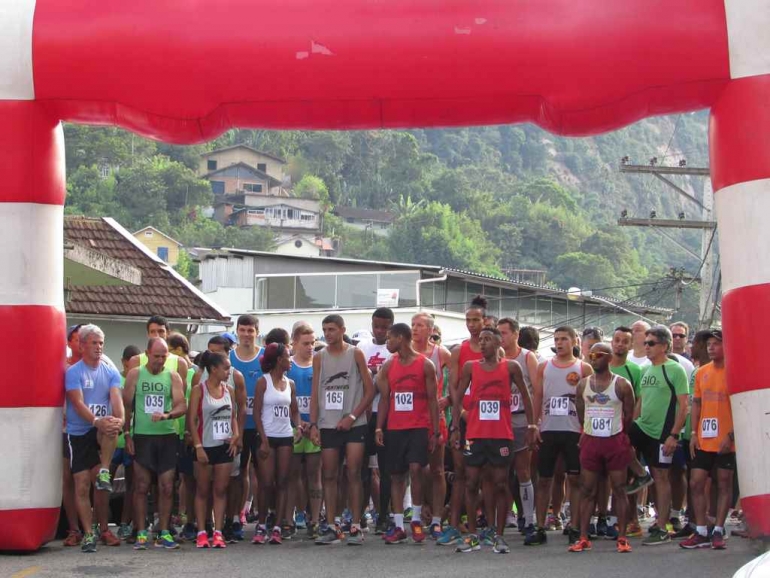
(31, 457)
(16, 78)
(748, 23)
(751, 422)
(31, 247)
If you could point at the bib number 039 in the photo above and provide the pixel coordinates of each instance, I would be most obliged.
(489, 410)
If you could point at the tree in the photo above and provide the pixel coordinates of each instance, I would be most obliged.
(583, 270)
(312, 187)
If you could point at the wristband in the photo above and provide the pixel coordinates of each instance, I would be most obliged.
(532, 426)
(198, 446)
(353, 416)
(379, 429)
(694, 433)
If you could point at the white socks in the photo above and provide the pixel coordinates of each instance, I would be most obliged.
(527, 493)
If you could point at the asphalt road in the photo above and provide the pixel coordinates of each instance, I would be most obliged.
(298, 558)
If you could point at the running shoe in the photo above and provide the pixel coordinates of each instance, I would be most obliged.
(300, 520)
(639, 484)
(521, 523)
(469, 544)
(500, 546)
(580, 545)
(202, 541)
(141, 540)
(238, 531)
(227, 533)
(333, 535)
(287, 530)
(449, 537)
(434, 531)
(633, 530)
(718, 541)
(166, 541)
(218, 541)
(260, 536)
(612, 532)
(657, 538)
(356, 537)
(623, 546)
(536, 537)
(684, 532)
(418, 534)
(276, 537)
(573, 536)
(601, 527)
(676, 524)
(695, 541)
(481, 521)
(346, 525)
(381, 527)
(88, 544)
(408, 515)
(559, 524)
(103, 481)
(312, 531)
(74, 537)
(397, 536)
(189, 533)
(109, 539)
(510, 520)
(124, 532)
(487, 537)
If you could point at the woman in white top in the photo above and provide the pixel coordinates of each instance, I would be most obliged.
(275, 412)
(213, 425)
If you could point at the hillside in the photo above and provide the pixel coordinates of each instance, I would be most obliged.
(483, 198)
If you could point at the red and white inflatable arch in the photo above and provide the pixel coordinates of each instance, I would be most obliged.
(185, 71)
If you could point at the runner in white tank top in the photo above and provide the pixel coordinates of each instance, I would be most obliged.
(275, 410)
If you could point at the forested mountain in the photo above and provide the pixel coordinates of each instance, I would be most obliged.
(484, 199)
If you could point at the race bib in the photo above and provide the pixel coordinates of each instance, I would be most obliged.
(515, 402)
(221, 430)
(600, 419)
(664, 459)
(303, 403)
(709, 428)
(153, 404)
(404, 400)
(334, 399)
(249, 406)
(489, 410)
(558, 406)
(281, 411)
(98, 409)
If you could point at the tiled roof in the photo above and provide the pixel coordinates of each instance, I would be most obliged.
(162, 291)
(364, 214)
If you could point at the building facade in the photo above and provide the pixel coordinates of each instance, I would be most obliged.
(165, 247)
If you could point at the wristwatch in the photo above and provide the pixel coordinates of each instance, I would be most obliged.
(676, 436)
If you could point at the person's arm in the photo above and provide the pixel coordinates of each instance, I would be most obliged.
(580, 403)
(368, 397)
(129, 390)
(695, 418)
(181, 370)
(294, 410)
(240, 399)
(430, 389)
(537, 392)
(625, 393)
(197, 378)
(457, 400)
(235, 431)
(454, 377)
(383, 407)
(259, 400)
(315, 434)
(116, 402)
(445, 358)
(178, 401)
(193, 423)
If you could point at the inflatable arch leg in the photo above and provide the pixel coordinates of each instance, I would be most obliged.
(31, 323)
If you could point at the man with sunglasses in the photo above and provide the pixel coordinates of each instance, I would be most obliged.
(605, 405)
(656, 431)
(680, 331)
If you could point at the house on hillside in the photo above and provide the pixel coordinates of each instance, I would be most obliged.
(378, 222)
(222, 158)
(283, 214)
(136, 285)
(242, 178)
(306, 245)
(165, 247)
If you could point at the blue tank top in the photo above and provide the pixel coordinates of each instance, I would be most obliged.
(251, 371)
(303, 383)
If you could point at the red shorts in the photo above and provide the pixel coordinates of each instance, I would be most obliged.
(605, 454)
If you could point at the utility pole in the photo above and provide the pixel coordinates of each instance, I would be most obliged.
(707, 225)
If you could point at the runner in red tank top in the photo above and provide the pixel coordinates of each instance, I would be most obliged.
(407, 385)
(489, 446)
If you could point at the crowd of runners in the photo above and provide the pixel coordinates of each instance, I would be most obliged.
(310, 437)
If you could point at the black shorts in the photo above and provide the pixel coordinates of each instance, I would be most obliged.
(157, 453)
(250, 447)
(404, 447)
(708, 460)
(217, 455)
(185, 458)
(84, 451)
(481, 451)
(281, 442)
(648, 446)
(331, 439)
(555, 443)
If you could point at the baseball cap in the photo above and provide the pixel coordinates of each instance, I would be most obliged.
(715, 333)
(72, 329)
(230, 336)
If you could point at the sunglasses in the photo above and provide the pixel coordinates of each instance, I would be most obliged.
(435, 338)
(651, 343)
(597, 355)
(679, 335)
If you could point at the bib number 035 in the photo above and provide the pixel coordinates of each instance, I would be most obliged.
(154, 404)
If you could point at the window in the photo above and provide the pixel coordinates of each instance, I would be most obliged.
(307, 217)
(350, 220)
(356, 290)
(252, 187)
(218, 187)
(211, 165)
(455, 300)
(383, 225)
(262, 167)
(315, 291)
(148, 233)
(163, 253)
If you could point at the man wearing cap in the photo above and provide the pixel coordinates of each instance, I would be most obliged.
(712, 445)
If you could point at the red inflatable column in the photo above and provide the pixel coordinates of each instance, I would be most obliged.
(32, 323)
(740, 169)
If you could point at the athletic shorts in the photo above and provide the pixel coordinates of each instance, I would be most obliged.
(156, 453)
(556, 443)
(250, 446)
(84, 451)
(280, 442)
(609, 454)
(331, 439)
(305, 446)
(708, 460)
(482, 451)
(404, 447)
(520, 439)
(217, 455)
(185, 459)
(648, 446)
(121, 457)
(65, 450)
